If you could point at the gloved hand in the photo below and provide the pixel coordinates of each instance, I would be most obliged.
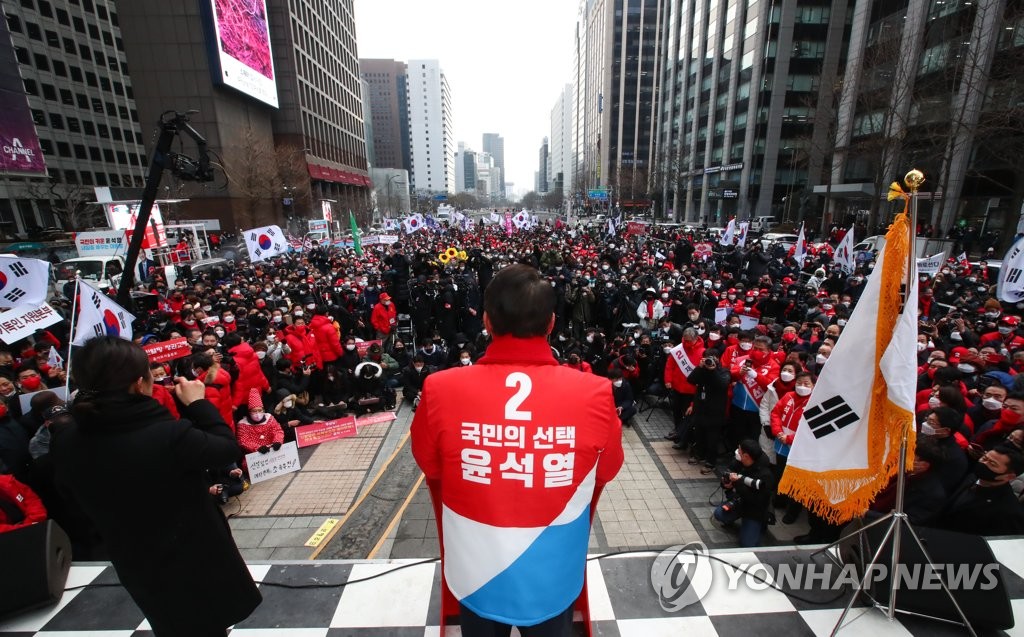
(263, 449)
(277, 446)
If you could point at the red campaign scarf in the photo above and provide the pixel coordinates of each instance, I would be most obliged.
(751, 383)
(650, 308)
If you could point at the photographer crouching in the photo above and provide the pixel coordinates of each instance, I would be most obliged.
(749, 484)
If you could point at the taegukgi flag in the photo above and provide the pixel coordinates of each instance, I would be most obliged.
(1011, 281)
(846, 447)
(265, 242)
(413, 222)
(23, 281)
(800, 249)
(844, 253)
(99, 315)
(741, 236)
(730, 232)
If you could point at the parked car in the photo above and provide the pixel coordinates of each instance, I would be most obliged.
(785, 240)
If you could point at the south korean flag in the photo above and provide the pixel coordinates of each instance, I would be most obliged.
(521, 220)
(99, 315)
(265, 243)
(23, 281)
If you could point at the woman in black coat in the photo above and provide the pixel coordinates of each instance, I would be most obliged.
(139, 476)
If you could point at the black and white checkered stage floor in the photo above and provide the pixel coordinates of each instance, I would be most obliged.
(406, 603)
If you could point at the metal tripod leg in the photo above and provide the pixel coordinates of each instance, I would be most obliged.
(942, 580)
(867, 574)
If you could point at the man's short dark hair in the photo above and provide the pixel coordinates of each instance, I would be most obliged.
(1014, 459)
(518, 302)
(751, 447)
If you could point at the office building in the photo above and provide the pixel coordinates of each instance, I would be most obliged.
(561, 142)
(74, 70)
(543, 163)
(494, 145)
(432, 169)
(465, 169)
(389, 107)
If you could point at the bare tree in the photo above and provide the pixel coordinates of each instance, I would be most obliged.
(68, 203)
(254, 175)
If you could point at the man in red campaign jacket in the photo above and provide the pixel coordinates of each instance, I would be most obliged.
(681, 390)
(516, 450)
(328, 340)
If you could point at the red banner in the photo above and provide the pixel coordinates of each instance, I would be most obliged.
(168, 350)
(375, 419)
(636, 227)
(362, 346)
(309, 435)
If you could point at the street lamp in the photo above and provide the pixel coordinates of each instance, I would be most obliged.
(792, 180)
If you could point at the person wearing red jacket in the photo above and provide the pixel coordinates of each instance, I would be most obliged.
(739, 349)
(685, 355)
(19, 505)
(785, 419)
(328, 340)
(384, 317)
(302, 343)
(752, 374)
(218, 385)
(258, 431)
(161, 393)
(250, 373)
(514, 520)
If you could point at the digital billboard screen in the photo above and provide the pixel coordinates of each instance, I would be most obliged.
(243, 58)
(20, 153)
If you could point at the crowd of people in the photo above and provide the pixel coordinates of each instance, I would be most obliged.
(322, 333)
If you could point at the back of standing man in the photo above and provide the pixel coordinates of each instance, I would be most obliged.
(516, 450)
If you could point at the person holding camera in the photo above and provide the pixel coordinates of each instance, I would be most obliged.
(749, 484)
(708, 408)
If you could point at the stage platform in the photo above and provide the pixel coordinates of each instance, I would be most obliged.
(406, 602)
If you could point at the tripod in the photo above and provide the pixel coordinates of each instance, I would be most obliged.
(898, 523)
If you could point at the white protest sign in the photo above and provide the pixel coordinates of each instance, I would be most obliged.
(722, 313)
(264, 466)
(931, 265)
(22, 322)
(748, 322)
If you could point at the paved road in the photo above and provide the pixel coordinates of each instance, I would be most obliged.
(657, 500)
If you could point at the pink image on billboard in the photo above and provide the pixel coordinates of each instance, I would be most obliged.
(242, 27)
(20, 153)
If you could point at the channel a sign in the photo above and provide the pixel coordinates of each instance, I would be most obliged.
(238, 38)
(20, 153)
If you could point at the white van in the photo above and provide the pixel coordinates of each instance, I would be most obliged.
(759, 225)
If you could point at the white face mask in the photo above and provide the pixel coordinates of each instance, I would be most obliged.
(921, 346)
(927, 430)
(350, 347)
(841, 322)
(746, 346)
(483, 332)
(992, 404)
(277, 319)
(701, 330)
(298, 313)
(714, 336)
(465, 361)
(737, 456)
(787, 376)
(802, 390)
(590, 338)
(617, 383)
(288, 404)
(260, 354)
(955, 336)
(934, 402)
(966, 369)
(257, 417)
(418, 368)
(820, 359)
(271, 338)
(666, 349)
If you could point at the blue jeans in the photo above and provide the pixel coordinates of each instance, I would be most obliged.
(750, 530)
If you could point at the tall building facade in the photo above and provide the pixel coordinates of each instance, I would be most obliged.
(957, 114)
(387, 80)
(494, 145)
(745, 106)
(75, 72)
(465, 169)
(430, 129)
(543, 164)
(561, 142)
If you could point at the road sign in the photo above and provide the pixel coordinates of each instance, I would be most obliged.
(598, 193)
(440, 197)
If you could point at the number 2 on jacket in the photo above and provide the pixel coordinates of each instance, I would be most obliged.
(524, 384)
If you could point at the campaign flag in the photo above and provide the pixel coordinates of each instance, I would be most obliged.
(23, 281)
(741, 240)
(800, 249)
(98, 314)
(265, 242)
(467, 223)
(844, 253)
(54, 360)
(1011, 284)
(729, 234)
(508, 224)
(930, 265)
(357, 241)
(413, 223)
(962, 261)
(430, 222)
(495, 217)
(390, 225)
(846, 447)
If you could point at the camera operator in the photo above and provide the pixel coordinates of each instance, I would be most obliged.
(708, 409)
(749, 484)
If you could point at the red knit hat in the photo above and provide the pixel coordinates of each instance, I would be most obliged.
(255, 402)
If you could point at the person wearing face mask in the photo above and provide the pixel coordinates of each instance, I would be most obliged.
(434, 355)
(622, 393)
(303, 345)
(776, 390)
(751, 373)
(708, 409)
(218, 384)
(412, 380)
(941, 425)
(984, 503)
(1011, 416)
(785, 420)
(384, 318)
(989, 403)
(749, 485)
(117, 424)
(924, 495)
(681, 390)
(326, 336)
(741, 349)
(258, 431)
(30, 381)
(289, 413)
(250, 372)
(650, 310)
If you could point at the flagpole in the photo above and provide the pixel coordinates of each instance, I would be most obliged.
(71, 337)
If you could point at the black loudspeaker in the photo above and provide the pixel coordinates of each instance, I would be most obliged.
(986, 604)
(36, 562)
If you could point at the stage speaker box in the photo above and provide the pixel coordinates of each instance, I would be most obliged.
(36, 562)
(986, 604)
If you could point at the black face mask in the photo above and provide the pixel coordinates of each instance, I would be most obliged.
(985, 472)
